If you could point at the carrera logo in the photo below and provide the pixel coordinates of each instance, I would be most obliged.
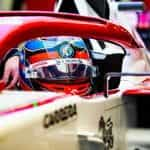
(59, 115)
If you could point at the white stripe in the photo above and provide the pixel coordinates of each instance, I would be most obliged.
(57, 61)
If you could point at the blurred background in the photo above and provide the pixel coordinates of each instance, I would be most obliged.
(6, 4)
(13, 4)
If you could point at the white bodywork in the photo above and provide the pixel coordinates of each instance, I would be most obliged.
(25, 130)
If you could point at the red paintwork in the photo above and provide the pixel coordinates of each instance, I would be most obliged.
(147, 4)
(144, 89)
(62, 24)
(32, 105)
(40, 4)
(2, 85)
(138, 91)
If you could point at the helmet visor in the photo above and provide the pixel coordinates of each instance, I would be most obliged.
(60, 69)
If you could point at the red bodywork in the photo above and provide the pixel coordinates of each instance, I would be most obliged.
(40, 5)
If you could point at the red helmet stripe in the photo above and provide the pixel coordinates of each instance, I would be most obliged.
(82, 55)
(43, 56)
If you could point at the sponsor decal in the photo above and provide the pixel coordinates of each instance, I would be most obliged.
(59, 115)
(106, 130)
(66, 51)
(69, 61)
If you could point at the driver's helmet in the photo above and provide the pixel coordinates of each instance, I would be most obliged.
(59, 64)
